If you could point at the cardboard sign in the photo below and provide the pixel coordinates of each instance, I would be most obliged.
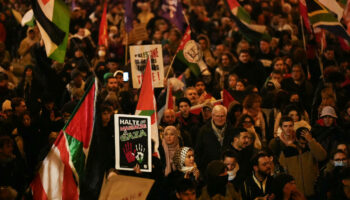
(133, 142)
(138, 33)
(138, 56)
(120, 187)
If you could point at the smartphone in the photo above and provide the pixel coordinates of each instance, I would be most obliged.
(126, 76)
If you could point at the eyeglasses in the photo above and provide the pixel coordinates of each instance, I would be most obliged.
(247, 122)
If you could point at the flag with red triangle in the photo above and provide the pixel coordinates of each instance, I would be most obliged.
(147, 103)
(63, 167)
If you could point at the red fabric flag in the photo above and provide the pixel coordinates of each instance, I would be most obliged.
(103, 35)
(169, 98)
(227, 98)
(304, 15)
(146, 105)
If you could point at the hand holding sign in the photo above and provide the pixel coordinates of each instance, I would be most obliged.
(140, 153)
(129, 155)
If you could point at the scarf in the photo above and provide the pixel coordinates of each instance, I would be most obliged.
(169, 151)
(219, 132)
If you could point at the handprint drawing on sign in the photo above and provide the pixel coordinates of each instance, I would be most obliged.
(140, 150)
(129, 154)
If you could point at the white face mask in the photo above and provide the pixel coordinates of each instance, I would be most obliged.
(101, 53)
(340, 163)
(231, 175)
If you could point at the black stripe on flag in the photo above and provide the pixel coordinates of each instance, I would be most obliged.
(54, 32)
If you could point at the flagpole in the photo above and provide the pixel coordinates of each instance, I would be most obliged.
(172, 61)
(126, 48)
(304, 44)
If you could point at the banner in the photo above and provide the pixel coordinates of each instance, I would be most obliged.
(133, 142)
(117, 187)
(138, 56)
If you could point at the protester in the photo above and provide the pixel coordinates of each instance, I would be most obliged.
(41, 86)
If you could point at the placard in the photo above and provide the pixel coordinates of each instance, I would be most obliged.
(133, 142)
(138, 56)
(138, 33)
(117, 187)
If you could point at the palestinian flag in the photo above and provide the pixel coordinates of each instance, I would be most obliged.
(251, 32)
(189, 54)
(63, 167)
(169, 102)
(103, 35)
(146, 105)
(28, 18)
(321, 17)
(52, 18)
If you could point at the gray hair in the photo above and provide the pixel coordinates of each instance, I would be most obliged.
(218, 108)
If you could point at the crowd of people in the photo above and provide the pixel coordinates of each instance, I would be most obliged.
(285, 135)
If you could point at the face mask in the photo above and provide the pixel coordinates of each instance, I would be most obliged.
(340, 164)
(231, 175)
(101, 53)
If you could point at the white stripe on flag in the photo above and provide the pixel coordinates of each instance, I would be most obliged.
(52, 173)
(50, 46)
(48, 8)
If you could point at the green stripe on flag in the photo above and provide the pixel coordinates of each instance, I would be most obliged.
(243, 15)
(146, 112)
(193, 66)
(61, 16)
(324, 17)
(76, 153)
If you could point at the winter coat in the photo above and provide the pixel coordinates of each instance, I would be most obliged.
(303, 166)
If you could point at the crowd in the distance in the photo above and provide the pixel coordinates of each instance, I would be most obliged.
(284, 136)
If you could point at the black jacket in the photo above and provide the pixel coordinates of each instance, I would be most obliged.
(208, 147)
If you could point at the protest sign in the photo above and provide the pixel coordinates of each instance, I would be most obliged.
(133, 142)
(138, 56)
(117, 187)
(138, 33)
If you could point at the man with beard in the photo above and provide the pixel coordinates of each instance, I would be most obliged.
(258, 185)
(241, 145)
(204, 96)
